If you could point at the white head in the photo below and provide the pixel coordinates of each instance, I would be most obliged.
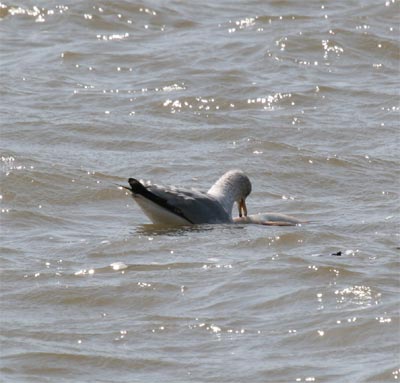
(233, 186)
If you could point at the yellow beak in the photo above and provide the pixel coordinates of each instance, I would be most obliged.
(242, 208)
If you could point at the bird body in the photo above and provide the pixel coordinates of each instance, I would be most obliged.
(169, 205)
(180, 206)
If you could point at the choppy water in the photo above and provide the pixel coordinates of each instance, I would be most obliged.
(303, 96)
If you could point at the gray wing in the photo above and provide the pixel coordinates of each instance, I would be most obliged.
(196, 206)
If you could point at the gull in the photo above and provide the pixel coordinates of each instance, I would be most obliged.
(169, 205)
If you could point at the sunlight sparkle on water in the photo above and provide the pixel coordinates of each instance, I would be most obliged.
(359, 295)
(118, 266)
(84, 272)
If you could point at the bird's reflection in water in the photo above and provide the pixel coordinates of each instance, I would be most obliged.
(154, 229)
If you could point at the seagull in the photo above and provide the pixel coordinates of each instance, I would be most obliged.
(169, 205)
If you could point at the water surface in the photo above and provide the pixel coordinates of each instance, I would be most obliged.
(302, 96)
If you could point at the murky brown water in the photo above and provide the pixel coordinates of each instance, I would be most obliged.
(302, 96)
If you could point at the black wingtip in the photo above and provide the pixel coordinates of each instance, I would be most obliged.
(136, 186)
